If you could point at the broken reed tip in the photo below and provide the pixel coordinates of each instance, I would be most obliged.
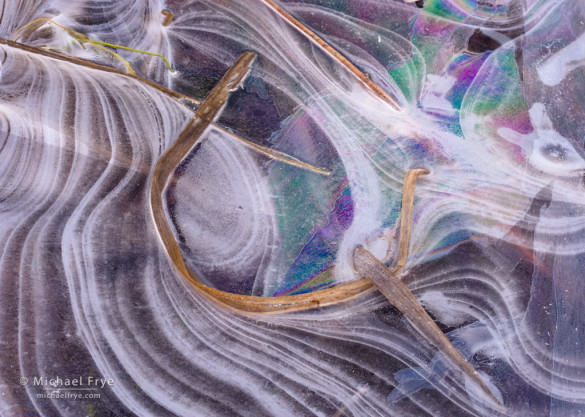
(370, 267)
(168, 17)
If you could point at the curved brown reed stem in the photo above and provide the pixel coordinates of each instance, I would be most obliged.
(165, 166)
(313, 37)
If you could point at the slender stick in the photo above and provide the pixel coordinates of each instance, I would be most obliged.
(313, 37)
(88, 64)
(406, 216)
(271, 153)
(368, 266)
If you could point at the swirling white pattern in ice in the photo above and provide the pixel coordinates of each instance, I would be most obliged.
(498, 236)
